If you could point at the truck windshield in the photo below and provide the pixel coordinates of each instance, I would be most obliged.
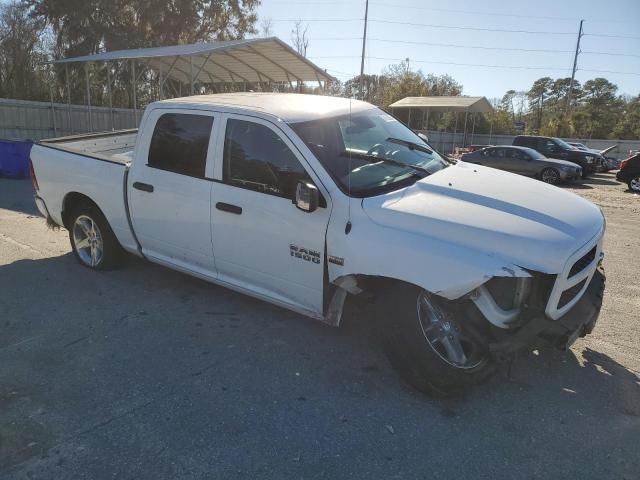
(369, 153)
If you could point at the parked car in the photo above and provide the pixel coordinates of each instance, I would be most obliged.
(525, 161)
(305, 201)
(552, 147)
(612, 163)
(629, 172)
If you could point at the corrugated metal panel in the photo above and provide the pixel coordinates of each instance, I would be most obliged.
(446, 104)
(26, 120)
(251, 60)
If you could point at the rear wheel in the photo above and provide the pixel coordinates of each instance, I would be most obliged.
(550, 175)
(428, 346)
(634, 184)
(94, 243)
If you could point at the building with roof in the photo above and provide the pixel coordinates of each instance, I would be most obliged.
(415, 111)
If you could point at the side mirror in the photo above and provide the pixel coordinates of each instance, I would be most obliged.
(307, 196)
(423, 137)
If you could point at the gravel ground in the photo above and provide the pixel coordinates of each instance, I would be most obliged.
(147, 373)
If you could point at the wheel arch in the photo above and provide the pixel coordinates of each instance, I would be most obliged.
(71, 201)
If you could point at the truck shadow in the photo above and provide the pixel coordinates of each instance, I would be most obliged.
(595, 179)
(102, 350)
(17, 195)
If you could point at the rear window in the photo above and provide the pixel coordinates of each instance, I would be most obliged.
(180, 142)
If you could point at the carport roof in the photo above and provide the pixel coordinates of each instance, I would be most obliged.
(249, 60)
(446, 104)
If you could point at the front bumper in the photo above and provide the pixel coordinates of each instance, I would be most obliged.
(541, 331)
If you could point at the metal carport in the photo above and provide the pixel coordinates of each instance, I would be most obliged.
(248, 61)
(425, 105)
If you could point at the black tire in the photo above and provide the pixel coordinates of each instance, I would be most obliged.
(411, 354)
(634, 184)
(111, 252)
(550, 175)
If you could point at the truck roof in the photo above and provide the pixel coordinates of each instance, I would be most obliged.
(290, 107)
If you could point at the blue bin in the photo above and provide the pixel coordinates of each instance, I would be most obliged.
(14, 159)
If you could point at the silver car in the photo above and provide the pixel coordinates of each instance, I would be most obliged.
(525, 161)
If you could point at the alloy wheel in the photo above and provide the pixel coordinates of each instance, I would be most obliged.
(88, 241)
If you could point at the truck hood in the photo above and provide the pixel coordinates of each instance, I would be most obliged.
(520, 220)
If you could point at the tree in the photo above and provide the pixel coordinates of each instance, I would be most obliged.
(22, 53)
(536, 96)
(374, 88)
(628, 126)
(266, 27)
(299, 38)
(602, 105)
(91, 26)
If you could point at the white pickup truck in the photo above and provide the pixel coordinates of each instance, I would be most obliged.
(305, 201)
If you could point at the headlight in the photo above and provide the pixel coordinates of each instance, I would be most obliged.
(566, 168)
(589, 159)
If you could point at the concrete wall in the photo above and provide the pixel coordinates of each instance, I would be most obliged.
(446, 141)
(26, 120)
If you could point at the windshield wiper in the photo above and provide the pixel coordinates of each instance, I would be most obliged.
(410, 145)
(391, 161)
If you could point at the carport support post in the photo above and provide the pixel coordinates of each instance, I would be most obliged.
(191, 88)
(426, 127)
(133, 87)
(455, 131)
(473, 126)
(53, 107)
(109, 96)
(161, 85)
(464, 135)
(86, 72)
(66, 74)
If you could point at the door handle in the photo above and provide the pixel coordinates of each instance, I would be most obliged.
(227, 207)
(145, 187)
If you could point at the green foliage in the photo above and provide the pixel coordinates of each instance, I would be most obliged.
(90, 26)
(22, 53)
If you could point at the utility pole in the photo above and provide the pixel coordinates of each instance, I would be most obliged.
(575, 65)
(364, 41)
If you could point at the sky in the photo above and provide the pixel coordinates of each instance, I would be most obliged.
(335, 39)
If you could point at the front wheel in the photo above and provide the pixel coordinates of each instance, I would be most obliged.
(427, 344)
(550, 175)
(93, 242)
(634, 184)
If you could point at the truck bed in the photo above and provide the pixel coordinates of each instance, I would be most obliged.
(111, 146)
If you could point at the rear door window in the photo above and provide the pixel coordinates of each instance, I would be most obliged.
(180, 142)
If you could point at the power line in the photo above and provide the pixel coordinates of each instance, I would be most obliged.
(470, 46)
(317, 20)
(610, 53)
(611, 36)
(470, 12)
(483, 65)
(455, 45)
(457, 27)
(609, 71)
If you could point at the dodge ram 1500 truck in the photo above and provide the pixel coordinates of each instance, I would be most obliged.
(305, 201)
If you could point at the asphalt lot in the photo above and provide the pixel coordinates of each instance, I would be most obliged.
(145, 373)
